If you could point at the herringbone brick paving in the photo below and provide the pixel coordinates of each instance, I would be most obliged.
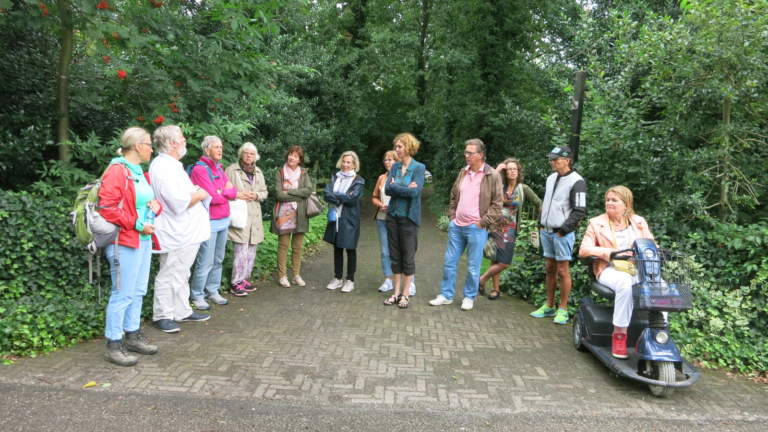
(315, 346)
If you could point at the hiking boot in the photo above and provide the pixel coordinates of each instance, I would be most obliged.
(561, 317)
(117, 354)
(544, 311)
(201, 304)
(619, 345)
(166, 325)
(135, 342)
(217, 299)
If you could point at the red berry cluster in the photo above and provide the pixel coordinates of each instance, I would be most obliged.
(103, 5)
(45, 10)
(121, 74)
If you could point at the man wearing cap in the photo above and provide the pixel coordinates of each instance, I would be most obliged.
(476, 200)
(565, 204)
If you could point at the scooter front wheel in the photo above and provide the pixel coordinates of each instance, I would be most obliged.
(662, 371)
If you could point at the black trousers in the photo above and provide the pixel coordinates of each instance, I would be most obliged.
(403, 238)
(338, 263)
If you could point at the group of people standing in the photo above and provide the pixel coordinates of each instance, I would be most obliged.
(183, 216)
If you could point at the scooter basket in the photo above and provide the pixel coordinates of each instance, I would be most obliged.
(663, 284)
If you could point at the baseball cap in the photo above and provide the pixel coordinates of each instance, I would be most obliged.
(560, 151)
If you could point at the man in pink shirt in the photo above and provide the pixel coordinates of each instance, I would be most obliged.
(475, 206)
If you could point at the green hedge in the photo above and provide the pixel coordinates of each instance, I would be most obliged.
(45, 299)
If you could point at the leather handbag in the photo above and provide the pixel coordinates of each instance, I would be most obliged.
(314, 206)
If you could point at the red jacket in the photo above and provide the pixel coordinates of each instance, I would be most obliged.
(112, 191)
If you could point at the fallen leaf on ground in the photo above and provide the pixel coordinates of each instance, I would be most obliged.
(90, 384)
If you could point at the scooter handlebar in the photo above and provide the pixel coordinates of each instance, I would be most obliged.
(622, 257)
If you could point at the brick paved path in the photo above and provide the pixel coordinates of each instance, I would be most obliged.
(318, 347)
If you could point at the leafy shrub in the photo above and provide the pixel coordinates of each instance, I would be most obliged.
(46, 300)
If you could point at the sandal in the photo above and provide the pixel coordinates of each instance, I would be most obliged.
(403, 303)
(390, 301)
(481, 289)
(494, 296)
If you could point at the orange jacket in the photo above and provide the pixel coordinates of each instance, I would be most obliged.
(598, 240)
(377, 193)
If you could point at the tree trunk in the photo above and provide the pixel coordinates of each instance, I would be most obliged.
(62, 77)
(722, 212)
(421, 64)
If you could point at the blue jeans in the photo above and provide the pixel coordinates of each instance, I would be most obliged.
(124, 308)
(207, 278)
(473, 240)
(386, 265)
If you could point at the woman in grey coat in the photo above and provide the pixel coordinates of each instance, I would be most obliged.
(343, 193)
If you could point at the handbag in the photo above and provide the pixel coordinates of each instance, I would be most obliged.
(238, 210)
(489, 250)
(332, 214)
(624, 266)
(314, 205)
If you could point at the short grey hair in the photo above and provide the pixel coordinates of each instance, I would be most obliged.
(207, 141)
(355, 159)
(163, 137)
(478, 145)
(247, 146)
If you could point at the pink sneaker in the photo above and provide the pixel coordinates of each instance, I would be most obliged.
(248, 287)
(238, 290)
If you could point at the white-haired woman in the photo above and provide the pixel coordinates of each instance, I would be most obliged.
(124, 183)
(251, 187)
(208, 174)
(343, 192)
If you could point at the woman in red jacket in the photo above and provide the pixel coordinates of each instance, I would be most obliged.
(127, 200)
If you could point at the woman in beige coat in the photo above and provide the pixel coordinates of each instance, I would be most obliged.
(251, 187)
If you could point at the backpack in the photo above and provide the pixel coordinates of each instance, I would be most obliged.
(210, 173)
(91, 229)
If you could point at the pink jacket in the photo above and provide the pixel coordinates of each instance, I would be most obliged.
(598, 240)
(219, 208)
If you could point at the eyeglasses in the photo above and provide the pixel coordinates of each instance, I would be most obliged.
(146, 144)
(389, 160)
(466, 153)
(511, 169)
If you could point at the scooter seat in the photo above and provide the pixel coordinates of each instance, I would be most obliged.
(598, 288)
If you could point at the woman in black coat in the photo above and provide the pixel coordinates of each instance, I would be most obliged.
(343, 193)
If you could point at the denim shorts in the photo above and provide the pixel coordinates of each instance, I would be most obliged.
(554, 246)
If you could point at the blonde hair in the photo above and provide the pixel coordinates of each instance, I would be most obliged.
(410, 143)
(247, 146)
(354, 157)
(130, 137)
(625, 195)
(392, 155)
(163, 137)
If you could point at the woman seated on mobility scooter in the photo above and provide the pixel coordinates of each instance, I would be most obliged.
(615, 230)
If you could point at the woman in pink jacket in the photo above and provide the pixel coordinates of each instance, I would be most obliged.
(208, 174)
(616, 229)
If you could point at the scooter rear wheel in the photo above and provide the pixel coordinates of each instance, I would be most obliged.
(662, 371)
(578, 329)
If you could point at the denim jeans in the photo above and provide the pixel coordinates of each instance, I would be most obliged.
(207, 278)
(386, 265)
(473, 240)
(124, 308)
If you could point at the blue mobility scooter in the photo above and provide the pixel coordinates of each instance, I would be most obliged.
(661, 285)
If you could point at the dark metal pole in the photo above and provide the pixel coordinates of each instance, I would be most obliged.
(577, 106)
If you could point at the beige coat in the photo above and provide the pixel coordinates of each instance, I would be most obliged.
(253, 233)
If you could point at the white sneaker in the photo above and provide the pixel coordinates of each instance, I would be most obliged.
(335, 284)
(284, 282)
(386, 286)
(467, 304)
(299, 281)
(348, 286)
(440, 300)
(412, 289)
(217, 299)
(201, 304)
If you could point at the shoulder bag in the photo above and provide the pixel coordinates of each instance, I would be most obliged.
(238, 210)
